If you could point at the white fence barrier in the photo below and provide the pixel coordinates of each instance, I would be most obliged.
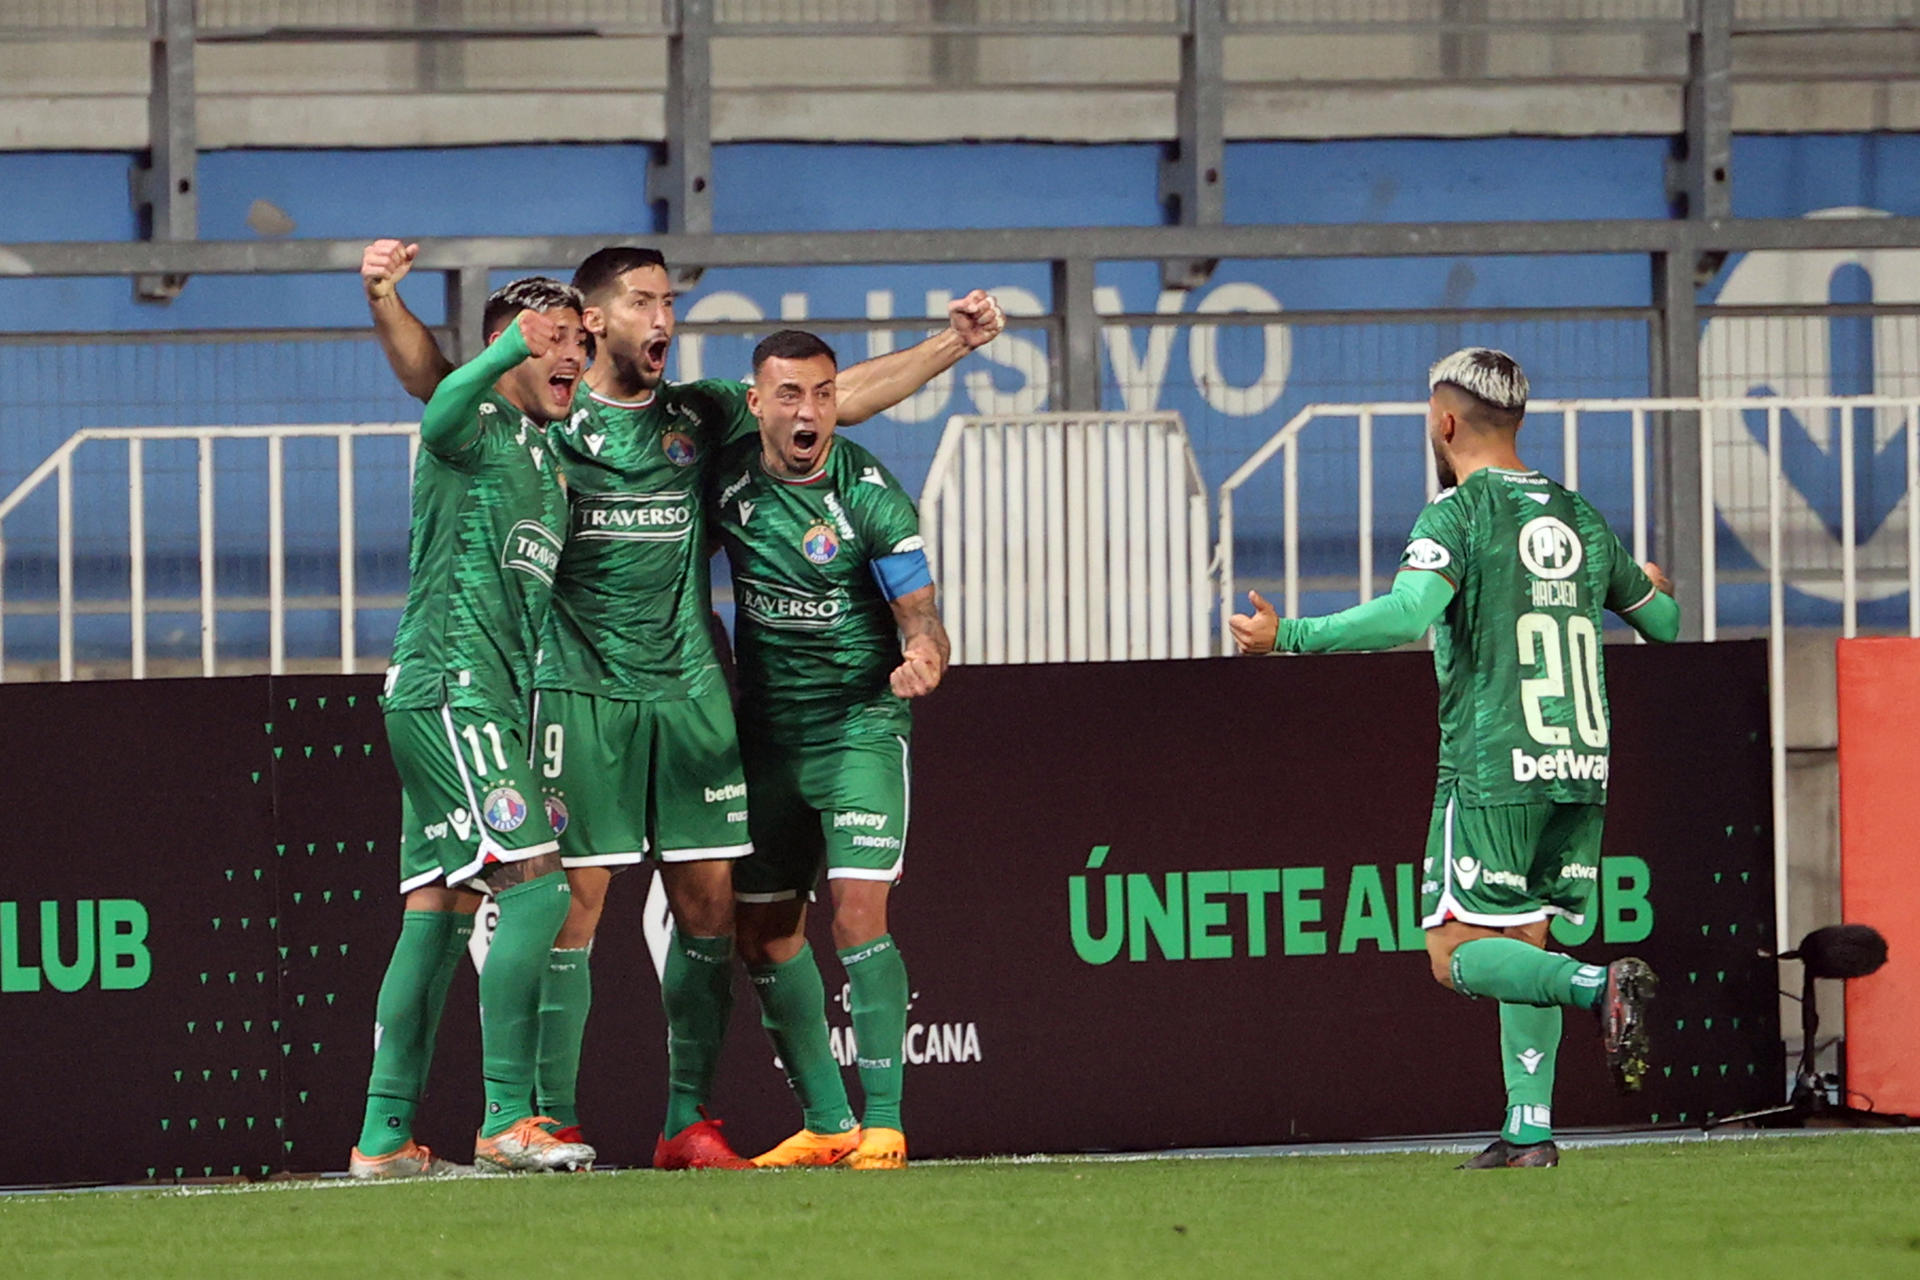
(1069, 537)
(59, 467)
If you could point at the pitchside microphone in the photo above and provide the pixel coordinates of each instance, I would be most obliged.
(1841, 951)
(1837, 951)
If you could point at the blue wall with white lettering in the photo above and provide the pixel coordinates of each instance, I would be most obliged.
(1235, 383)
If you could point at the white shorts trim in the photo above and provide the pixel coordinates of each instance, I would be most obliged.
(706, 855)
(501, 856)
(1450, 908)
(778, 895)
(867, 873)
(421, 881)
(604, 859)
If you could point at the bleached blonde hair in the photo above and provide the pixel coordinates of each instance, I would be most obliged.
(1493, 377)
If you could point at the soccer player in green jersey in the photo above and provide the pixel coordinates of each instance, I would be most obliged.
(489, 518)
(635, 735)
(1513, 572)
(836, 628)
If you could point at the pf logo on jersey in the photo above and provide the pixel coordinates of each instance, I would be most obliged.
(820, 544)
(1549, 549)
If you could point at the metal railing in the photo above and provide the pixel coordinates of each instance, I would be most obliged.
(1066, 537)
(59, 468)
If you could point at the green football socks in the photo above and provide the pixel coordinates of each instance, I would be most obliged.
(1529, 1042)
(1511, 971)
(878, 977)
(406, 1018)
(793, 1009)
(565, 996)
(697, 991)
(530, 917)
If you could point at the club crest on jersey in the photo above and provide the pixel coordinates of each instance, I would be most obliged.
(679, 448)
(505, 809)
(1549, 549)
(820, 544)
(557, 815)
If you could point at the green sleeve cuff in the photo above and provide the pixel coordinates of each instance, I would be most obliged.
(1658, 619)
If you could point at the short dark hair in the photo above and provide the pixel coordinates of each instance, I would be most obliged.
(534, 293)
(791, 344)
(604, 267)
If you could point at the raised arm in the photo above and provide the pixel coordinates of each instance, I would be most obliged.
(450, 424)
(415, 357)
(1417, 601)
(924, 647)
(876, 385)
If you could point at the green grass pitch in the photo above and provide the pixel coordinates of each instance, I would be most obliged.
(1842, 1204)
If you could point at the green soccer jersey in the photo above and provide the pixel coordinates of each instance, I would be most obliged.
(814, 636)
(1523, 693)
(632, 598)
(489, 517)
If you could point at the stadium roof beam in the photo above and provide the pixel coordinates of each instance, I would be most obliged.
(1191, 170)
(165, 185)
(1032, 244)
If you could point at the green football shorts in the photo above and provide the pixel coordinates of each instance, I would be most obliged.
(468, 797)
(627, 780)
(1509, 864)
(841, 803)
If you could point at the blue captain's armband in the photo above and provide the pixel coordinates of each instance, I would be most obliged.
(903, 572)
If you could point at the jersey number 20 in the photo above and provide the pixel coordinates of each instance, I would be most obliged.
(1541, 641)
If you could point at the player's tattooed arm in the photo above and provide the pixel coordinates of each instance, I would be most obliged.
(924, 647)
(415, 357)
(876, 385)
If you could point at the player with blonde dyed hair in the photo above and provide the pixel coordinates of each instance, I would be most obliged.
(1513, 571)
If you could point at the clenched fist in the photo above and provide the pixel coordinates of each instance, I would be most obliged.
(976, 318)
(384, 264)
(540, 332)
